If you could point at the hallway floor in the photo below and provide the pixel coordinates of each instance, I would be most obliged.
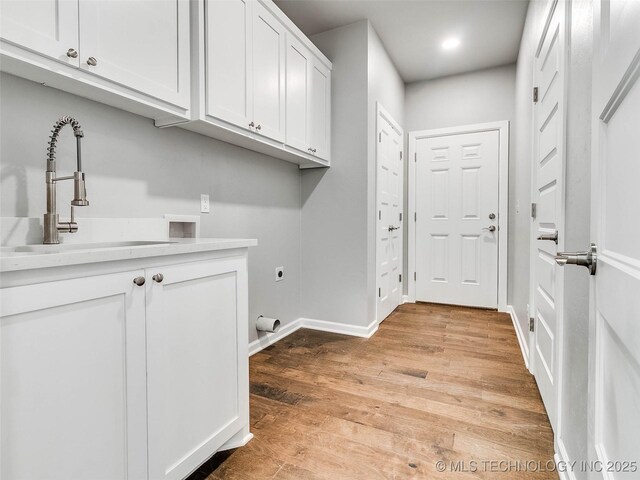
(434, 384)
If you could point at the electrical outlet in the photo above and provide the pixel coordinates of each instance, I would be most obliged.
(204, 203)
(279, 274)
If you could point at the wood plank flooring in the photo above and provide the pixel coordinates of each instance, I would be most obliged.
(435, 383)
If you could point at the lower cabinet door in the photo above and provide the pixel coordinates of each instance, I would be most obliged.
(72, 376)
(195, 375)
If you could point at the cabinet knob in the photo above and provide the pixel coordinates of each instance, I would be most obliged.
(259, 127)
(139, 281)
(72, 53)
(158, 277)
(91, 61)
(251, 125)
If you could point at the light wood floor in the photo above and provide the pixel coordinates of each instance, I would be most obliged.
(435, 383)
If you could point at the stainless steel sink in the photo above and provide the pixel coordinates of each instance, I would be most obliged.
(72, 247)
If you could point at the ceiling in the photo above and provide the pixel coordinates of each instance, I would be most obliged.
(413, 31)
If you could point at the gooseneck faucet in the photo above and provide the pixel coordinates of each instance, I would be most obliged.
(52, 225)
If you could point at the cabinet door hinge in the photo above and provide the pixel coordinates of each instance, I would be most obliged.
(400, 278)
(532, 324)
(535, 94)
(379, 292)
(400, 216)
(534, 210)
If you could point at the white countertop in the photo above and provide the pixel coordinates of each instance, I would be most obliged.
(44, 256)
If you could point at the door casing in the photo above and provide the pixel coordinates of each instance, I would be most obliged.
(502, 127)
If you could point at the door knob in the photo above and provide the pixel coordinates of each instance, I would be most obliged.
(158, 277)
(492, 216)
(139, 281)
(392, 228)
(585, 259)
(92, 62)
(491, 228)
(553, 237)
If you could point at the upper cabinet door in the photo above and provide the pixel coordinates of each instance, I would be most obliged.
(320, 109)
(228, 61)
(298, 90)
(47, 27)
(269, 47)
(141, 45)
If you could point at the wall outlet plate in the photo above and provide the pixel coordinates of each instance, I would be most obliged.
(279, 274)
(204, 203)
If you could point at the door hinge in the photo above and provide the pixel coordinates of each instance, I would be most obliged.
(379, 214)
(400, 216)
(400, 278)
(379, 292)
(400, 154)
(535, 94)
(415, 276)
(415, 157)
(380, 137)
(532, 324)
(415, 216)
(534, 210)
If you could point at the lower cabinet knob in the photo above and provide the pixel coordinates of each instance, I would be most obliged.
(139, 281)
(158, 277)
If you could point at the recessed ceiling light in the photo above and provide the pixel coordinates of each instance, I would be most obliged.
(451, 43)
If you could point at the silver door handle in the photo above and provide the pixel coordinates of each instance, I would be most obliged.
(491, 228)
(584, 259)
(392, 228)
(553, 237)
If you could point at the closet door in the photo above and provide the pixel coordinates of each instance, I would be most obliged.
(141, 45)
(298, 90)
(320, 110)
(228, 87)
(47, 27)
(269, 41)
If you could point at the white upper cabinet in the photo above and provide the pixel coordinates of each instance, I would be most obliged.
(138, 44)
(133, 55)
(228, 61)
(268, 57)
(298, 95)
(320, 110)
(46, 27)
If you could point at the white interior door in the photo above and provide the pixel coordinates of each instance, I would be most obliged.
(548, 188)
(615, 332)
(142, 45)
(456, 196)
(389, 220)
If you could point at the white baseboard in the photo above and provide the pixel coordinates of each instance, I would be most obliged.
(405, 299)
(264, 340)
(334, 327)
(522, 340)
(565, 472)
(237, 441)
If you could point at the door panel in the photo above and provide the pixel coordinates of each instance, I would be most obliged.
(73, 401)
(193, 365)
(615, 352)
(269, 47)
(320, 106)
(298, 95)
(548, 175)
(228, 61)
(456, 191)
(389, 224)
(47, 27)
(142, 45)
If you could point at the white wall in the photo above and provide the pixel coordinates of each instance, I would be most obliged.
(137, 170)
(334, 208)
(476, 97)
(338, 209)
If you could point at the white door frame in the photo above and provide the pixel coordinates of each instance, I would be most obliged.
(502, 128)
(382, 112)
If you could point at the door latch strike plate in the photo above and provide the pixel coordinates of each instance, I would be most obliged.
(534, 210)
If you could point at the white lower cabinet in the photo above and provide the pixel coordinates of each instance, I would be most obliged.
(102, 378)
